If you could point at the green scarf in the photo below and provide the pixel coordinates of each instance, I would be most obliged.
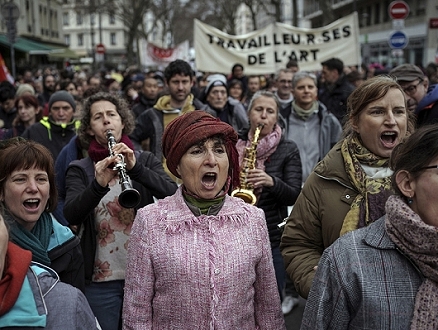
(37, 240)
(303, 113)
(203, 204)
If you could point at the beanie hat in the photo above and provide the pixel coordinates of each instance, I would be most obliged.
(214, 81)
(62, 96)
(24, 88)
(193, 127)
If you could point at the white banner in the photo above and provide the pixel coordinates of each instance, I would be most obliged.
(269, 49)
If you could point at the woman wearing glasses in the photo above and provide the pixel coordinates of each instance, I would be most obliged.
(385, 276)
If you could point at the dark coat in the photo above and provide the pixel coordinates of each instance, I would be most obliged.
(143, 104)
(83, 194)
(284, 166)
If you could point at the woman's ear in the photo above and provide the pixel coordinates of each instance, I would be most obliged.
(405, 183)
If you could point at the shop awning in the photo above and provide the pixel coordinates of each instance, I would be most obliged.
(38, 48)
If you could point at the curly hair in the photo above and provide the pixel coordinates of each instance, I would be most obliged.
(85, 117)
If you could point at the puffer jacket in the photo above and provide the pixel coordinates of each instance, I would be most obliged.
(316, 219)
(284, 166)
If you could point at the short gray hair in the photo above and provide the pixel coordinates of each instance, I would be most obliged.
(301, 75)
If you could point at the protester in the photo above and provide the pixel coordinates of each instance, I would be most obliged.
(56, 130)
(237, 72)
(253, 87)
(235, 89)
(335, 89)
(147, 96)
(28, 113)
(7, 99)
(276, 178)
(48, 89)
(25, 89)
(422, 100)
(92, 200)
(348, 188)
(28, 195)
(384, 276)
(225, 108)
(283, 80)
(201, 259)
(32, 295)
(308, 123)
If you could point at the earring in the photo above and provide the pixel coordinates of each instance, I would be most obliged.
(410, 200)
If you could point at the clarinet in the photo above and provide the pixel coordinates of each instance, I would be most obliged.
(129, 197)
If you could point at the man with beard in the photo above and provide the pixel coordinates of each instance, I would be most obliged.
(225, 108)
(422, 99)
(150, 124)
(8, 112)
(49, 82)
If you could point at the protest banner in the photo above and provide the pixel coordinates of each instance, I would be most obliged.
(152, 55)
(269, 49)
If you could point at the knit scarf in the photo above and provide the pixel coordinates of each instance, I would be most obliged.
(97, 152)
(169, 113)
(265, 148)
(303, 113)
(369, 204)
(419, 241)
(16, 265)
(36, 240)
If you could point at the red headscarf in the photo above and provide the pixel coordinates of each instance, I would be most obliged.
(193, 127)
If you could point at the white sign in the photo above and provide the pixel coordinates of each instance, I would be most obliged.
(269, 49)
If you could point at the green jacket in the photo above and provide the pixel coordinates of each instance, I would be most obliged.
(316, 218)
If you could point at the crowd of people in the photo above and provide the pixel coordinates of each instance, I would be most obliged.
(177, 199)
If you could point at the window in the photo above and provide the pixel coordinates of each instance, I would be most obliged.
(93, 19)
(80, 39)
(79, 18)
(112, 19)
(113, 38)
(65, 19)
(67, 39)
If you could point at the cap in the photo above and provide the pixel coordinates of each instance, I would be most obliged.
(138, 77)
(215, 80)
(407, 72)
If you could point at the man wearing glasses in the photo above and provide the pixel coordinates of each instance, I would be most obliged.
(423, 103)
(283, 80)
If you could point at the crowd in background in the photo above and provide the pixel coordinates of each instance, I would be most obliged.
(323, 151)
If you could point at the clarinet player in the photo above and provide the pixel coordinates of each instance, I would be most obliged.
(92, 200)
(276, 176)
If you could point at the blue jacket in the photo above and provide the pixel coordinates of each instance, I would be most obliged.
(45, 302)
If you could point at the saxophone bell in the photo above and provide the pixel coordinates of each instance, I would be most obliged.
(129, 197)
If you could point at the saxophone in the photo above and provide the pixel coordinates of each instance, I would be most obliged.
(245, 191)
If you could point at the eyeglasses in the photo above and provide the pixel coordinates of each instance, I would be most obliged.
(411, 89)
(429, 167)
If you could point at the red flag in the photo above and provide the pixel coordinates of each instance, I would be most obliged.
(4, 72)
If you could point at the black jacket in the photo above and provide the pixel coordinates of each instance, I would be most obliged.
(284, 166)
(83, 194)
(143, 104)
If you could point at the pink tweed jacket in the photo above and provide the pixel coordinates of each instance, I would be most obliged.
(206, 272)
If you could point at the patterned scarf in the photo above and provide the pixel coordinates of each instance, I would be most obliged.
(37, 240)
(369, 204)
(419, 241)
(265, 148)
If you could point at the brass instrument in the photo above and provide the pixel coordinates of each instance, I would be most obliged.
(129, 197)
(245, 191)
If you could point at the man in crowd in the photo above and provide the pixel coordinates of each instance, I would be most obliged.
(56, 130)
(335, 88)
(225, 108)
(253, 87)
(422, 99)
(147, 97)
(284, 87)
(152, 122)
(49, 82)
(237, 73)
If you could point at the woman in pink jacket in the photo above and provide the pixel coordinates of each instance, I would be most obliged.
(201, 259)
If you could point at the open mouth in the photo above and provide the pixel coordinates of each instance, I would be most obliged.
(31, 204)
(389, 139)
(209, 179)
